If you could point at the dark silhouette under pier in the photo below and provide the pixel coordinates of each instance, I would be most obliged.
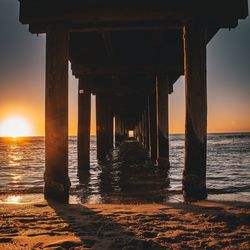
(129, 54)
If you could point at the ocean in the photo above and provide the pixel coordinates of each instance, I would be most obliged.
(127, 174)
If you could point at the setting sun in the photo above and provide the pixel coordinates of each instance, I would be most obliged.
(14, 127)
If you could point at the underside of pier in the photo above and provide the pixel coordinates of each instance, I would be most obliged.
(129, 54)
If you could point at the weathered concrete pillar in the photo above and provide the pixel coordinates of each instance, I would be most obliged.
(104, 125)
(149, 129)
(139, 132)
(56, 177)
(135, 132)
(143, 129)
(83, 136)
(146, 132)
(110, 127)
(163, 140)
(122, 128)
(194, 175)
(153, 124)
(101, 128)
(125, 130)
(118, 130)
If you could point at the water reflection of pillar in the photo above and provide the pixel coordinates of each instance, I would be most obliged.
(106, 181)
(84, 181)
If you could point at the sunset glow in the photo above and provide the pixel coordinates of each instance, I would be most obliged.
(15, 127)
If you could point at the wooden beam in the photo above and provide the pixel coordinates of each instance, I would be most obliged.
(107, 38)
(32, 11)
(127, 86)
(83, 136)
(124, 69)
(156, 45)
(56, 177)
(100, 27)
(194, 174)
(38, 28)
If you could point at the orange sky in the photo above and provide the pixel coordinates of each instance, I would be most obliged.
(223, 115)
(228, 112)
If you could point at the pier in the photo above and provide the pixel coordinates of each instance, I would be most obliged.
(128, 54)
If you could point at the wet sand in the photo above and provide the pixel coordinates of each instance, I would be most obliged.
(199, 225)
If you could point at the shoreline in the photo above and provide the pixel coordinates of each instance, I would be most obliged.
(29, 198)
(200, 225)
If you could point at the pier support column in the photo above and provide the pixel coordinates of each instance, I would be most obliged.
(83, 136)
(121, 125)
(194, 174)
(56, 177)
(104, 126)
(146, 132)
(101, 128)
(110, 127)
(153, 124)
(118, 130)
(143, 129)
(163, 140)
(140, 132)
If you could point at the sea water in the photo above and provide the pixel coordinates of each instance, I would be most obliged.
(127, 175)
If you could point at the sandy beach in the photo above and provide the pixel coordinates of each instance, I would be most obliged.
(198, 225)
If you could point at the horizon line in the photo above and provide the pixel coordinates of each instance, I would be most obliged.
(73, 135)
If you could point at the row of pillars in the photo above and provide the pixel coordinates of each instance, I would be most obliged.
(104, 126)
(57, 183)
(152, 129)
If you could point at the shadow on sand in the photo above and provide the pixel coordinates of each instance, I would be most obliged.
(98, 231)
(171, 226)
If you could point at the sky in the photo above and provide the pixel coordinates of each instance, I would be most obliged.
(22, 78)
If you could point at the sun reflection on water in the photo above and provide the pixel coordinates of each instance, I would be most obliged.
(94, 199)
(21, 199)
(16, 177)
(13, 199)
